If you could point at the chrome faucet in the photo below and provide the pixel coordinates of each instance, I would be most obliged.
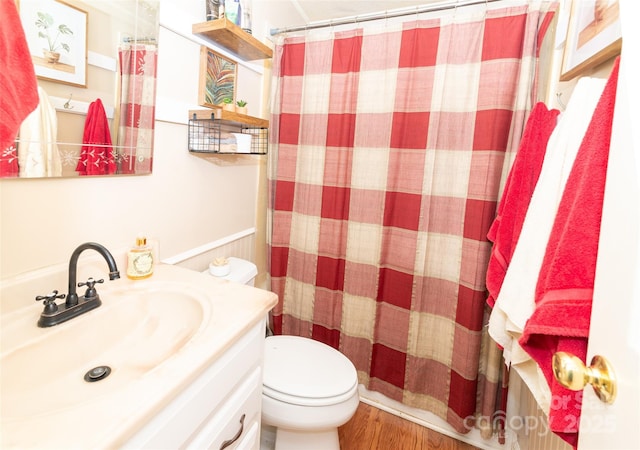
(53, 313)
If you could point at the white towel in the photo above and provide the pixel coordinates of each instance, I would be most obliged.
(38, 154)
(516, 301)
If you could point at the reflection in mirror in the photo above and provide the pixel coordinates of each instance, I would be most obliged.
(97, 95)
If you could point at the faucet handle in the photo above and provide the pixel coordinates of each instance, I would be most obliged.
(91, 290)
(49, 301)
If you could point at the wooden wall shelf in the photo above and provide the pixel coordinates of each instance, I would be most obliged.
(228, 117)
(230, 36)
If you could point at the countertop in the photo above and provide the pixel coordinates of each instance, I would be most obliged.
(109, 419)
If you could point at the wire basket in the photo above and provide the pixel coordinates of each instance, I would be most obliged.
(216, 136)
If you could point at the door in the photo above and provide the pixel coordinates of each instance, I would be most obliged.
(615, 318)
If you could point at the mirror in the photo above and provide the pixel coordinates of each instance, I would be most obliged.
(96, 67)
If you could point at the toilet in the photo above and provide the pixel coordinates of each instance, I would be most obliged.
(309, 389)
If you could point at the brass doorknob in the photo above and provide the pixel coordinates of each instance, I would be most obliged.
(571, 372)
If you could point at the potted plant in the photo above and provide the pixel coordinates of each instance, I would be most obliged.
(227, 104)
(241, 107)
(46, 24)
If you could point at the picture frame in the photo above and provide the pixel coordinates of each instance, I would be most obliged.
(217, 78)
(594, 36)
(56, 33)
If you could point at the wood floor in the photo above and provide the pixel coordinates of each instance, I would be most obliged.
(374, 429)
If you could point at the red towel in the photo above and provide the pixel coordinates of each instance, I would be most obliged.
(18, 87)
(96, 158)
(564, 291)
(521, 182)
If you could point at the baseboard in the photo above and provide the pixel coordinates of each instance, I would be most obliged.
(427, 419)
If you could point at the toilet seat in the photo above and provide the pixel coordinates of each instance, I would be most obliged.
(305, 372)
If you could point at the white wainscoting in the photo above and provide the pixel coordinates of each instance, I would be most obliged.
(527, 421)
(240, 245)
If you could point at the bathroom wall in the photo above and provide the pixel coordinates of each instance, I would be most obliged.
(187, 201)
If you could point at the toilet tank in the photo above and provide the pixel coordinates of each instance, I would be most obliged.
(241, 271)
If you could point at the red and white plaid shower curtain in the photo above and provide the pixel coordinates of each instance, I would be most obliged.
(138, 68)
(388, 149)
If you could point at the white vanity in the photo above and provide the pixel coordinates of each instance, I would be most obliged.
(220, 409)
(185, 352)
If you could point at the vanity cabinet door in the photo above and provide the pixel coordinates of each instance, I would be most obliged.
(208, 412)
(230, 426)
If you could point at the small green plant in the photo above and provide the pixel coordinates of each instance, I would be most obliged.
(241, 103)
(46, 23)
(227, 101)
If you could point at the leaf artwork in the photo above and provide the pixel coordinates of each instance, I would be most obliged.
(221, 75)
(46, 23)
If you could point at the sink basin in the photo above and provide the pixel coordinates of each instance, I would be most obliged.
(158, 336)
(137, 328)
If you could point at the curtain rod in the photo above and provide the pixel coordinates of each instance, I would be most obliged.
(450, 4)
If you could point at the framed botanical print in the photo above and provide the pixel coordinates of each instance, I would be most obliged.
(56, 34)
(217, 78)
(594, 36)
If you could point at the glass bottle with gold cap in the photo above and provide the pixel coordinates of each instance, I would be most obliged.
(140, 260)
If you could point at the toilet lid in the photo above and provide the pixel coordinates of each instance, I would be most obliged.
(305, 372)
